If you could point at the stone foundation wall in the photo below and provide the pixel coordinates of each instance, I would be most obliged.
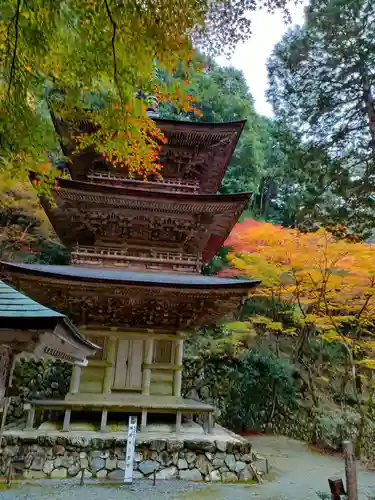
(59, 457)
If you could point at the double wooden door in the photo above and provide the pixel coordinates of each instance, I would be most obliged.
(127, 373)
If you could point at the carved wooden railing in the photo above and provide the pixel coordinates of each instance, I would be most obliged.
(170, 185)
(133, 258)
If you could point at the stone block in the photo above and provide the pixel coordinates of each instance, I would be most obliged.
(231, 447)
(214, 476)
(120, 453)
(190, 475)
(158, 445)
(111, 463)
(38, 462)
(34, 474)
(247, 458)
(74, 469)
(67, 461)
(168, 473)
(84, 463)
(165, 458)
(138, 456)
(246, 474)
(97, 464)
(221, 446)
(148, 466)
(209, 456)
(202, 464)
(138, 475)
(59, 473)
(182, 464)
(121, 464)
(86, 474)
(200, 445)
(48, 466)
(240, 466)
(11, 451)
(174, 445)
(190, 457)
(230, 462)
(229, 476)
(101, 474)
(29, 459)
(224, 468)
(58, 450)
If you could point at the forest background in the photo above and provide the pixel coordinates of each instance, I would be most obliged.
(309, 167)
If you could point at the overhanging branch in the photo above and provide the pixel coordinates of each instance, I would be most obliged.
(114, 32)
(14, 56)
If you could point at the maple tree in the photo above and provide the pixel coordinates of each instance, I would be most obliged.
(327, 280)
(79, 55)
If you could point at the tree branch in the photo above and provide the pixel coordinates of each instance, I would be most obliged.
(114, 32)
(13, 64)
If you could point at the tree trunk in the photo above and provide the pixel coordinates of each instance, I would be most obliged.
(369, 101)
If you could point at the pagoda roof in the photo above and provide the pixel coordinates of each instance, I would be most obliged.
(203, 149)
(64, 340)
(85, 212)
(127, 277)
(136, 301)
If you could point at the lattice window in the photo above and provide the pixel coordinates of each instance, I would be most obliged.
(163, 351)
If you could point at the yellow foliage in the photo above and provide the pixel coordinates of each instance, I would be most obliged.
(330, 282)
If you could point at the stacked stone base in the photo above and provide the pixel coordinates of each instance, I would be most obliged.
(58, 457)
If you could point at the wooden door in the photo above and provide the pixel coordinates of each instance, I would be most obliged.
(127, 375)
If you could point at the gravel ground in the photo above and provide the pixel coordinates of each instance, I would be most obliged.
(296, 474)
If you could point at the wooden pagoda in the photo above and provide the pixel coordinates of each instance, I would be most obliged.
(134, 286)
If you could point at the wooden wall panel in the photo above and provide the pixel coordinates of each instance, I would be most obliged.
(92, 380)
(162, 382)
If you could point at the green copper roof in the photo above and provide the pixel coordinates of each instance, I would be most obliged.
(14, 304)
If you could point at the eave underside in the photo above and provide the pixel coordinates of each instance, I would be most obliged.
(131, 306)
(172, 229)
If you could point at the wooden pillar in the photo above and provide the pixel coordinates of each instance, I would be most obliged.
(144, 420)
(76, 380)
(30, 416)
(350, 471)
(178, 422)
(66, 422)
(110, 358)
(179, 352)
(147, 361)
(103, 422)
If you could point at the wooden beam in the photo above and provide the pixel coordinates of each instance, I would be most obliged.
(129, 334)
(163, 366)
(108, 372)
(177, 380)
(147, 366)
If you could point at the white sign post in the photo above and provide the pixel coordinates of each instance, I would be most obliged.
(130, 450)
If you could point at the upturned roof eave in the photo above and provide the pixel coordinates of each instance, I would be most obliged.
(18, 311)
